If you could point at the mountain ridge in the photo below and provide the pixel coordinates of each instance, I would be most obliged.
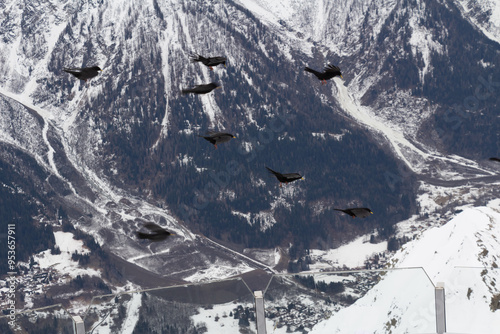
(456, 254)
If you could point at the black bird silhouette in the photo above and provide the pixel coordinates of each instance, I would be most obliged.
(285, 178)
(157, 233)
(211, 62)
(201, 89)
(495, 159)
(329, 72)
(357, 212)
(217, 137)
(84, 73)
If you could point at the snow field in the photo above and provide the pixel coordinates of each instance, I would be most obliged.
(63, 263)
(225, 322)
(352, 255)
(218, 269)
(462, 254)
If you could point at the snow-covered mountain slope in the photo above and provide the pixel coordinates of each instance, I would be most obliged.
(129, 131)
(123, 149)
(396, 32)
(65, 125)
(463, 254)
(109, 213)
(484, 14)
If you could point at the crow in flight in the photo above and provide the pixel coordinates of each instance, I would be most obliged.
(201, 89)
(211, 62)
(157, 233)
(217, 137)
(357, 212)
(329, 72)
(285, 178)
(84, 73)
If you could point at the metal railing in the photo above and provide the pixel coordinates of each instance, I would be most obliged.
(302, 301)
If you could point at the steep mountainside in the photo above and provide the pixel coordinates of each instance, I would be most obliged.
(456, 254)
(421, 66)
(123, 149)
(483, 14)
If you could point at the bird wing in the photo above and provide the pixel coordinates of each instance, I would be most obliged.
(206, 88)
(219, 59)
(360, 212)
(142, 235)
(73, 70)
(293, 176)
(212, 133)
(310, 70)
(216, 60)
(332, 68)
(195, 89)
(154, 228)
(209, 138)
(223, 137)
(77, 72)
(347, 211)
(273, 172)
(196, 57)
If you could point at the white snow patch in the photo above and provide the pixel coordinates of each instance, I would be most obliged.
(352, 255)
(227, 194)
(399, 143)
(271, 257)
(63, 263)
(319, 134)
(184, 159)
(323, 135)
(247, 146)
(264, 219)
(224, 322)
(132, 316)
(219, 269)
(399, 297)
(421, 42)
(66, 243)
(488, 16)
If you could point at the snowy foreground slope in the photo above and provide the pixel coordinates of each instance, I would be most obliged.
(462, 254)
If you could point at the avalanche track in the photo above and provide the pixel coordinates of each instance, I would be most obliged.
(415, 158)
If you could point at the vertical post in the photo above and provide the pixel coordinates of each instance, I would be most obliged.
(79, 325)
(260, 312)
(440, 308)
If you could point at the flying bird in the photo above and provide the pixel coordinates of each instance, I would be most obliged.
(329, 72)
(157, 233)
(211, 62)
(495, 159)
(217, 137)
(84, 73)
(285, 178)
(357, 212)
(201, 89)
